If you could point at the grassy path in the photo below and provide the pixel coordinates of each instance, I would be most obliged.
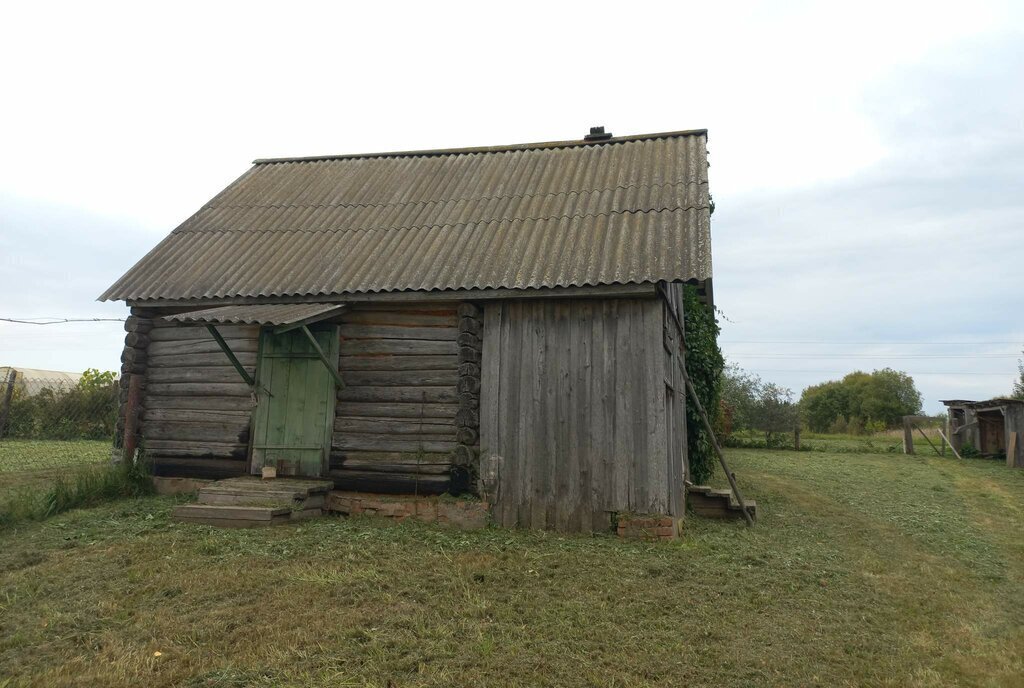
(864, 570)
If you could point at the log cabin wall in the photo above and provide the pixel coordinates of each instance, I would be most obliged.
(395, 424)
(196, 409)
(573, 413)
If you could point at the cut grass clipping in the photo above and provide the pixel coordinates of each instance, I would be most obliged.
(82, 486)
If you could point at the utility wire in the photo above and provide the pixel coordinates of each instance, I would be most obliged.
(57, 321)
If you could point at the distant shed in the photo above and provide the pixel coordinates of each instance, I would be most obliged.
(499, 320)
(994, 427)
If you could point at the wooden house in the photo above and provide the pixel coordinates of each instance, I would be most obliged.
(501, 320)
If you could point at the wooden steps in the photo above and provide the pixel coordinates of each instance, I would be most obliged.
(713, 503)
(250, 501)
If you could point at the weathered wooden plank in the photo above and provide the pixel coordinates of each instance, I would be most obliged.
(196, 416)
(446, 395)
(434, 458)
(195, 449)
(405, 463)
(352, 332)
(200, 333)
(390, 483)
(235, 431)
(401, 378)
(396, 410)
(397, 426)
(218, 359)
(201, 347)
(204, 403)
(385, 362)
(397, 318)
(418, 347)
(404, 443)
(206, 374)
(198, 389)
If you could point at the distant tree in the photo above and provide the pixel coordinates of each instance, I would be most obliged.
(1018, 385)
(739, 394)
(860, 400)
(774, 412)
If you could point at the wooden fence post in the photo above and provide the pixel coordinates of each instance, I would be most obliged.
(908, 436)
(5, 405)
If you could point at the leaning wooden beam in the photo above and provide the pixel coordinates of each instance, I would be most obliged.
(231, 355)
(937, 452)
(955, 452)
(718, 450)
(331, 368)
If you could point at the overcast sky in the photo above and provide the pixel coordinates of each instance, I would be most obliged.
(867, 162)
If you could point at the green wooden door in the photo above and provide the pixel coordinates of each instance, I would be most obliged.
(295, 408)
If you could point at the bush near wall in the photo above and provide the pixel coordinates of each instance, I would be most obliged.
(704, 365)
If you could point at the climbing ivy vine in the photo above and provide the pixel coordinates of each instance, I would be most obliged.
(704, 364)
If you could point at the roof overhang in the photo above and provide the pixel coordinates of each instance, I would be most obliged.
(284, 315)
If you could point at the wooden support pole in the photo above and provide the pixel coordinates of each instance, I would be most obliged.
(331, 367)
(5, 408)
(132, 411)
(231, 355)
(908, 436)
(926, 439)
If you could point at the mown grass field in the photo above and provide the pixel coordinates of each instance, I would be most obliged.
(864, 570)
(35, 463)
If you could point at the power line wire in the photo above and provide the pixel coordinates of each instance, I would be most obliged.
(57, 321)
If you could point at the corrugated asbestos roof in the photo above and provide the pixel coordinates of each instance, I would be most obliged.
(257, 314)
(626, 210)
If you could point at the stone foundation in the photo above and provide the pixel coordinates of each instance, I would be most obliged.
(460, 513)
(646, 527)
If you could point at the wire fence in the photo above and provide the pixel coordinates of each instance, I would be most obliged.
(53, 425)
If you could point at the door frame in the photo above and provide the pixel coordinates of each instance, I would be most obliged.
(333, 353)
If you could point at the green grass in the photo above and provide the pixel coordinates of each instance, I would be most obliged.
(31, 464)
(863, 569)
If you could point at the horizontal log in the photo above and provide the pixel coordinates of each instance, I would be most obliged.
(467, 418)
(392, 457)
(134, 323)
(190, 389)
(404, 443)
(469, 385)
(136, 340)
(471, 326)
(247, 359)
(202, 347)
(389, 483)
(400, 319)
(470, 370)
(398, 332)
(133, 368)
(426, 395)
(209, 374)
(196, 450)
(468, 354)
(378, 303)
(469, 401)
(449, 362)
(467, 436)
(469, 339)
(196, 415)
(396, 426)
(469, 310)
(398, 410)
(176, 467)
(178, 333)
(401, 378)
(238, 403)
(402, 463)
(465, 455)
(236, 431)
(419, 347)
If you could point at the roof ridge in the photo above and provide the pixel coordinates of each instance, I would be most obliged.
(345, 230)
(426, 202)
(515, 147)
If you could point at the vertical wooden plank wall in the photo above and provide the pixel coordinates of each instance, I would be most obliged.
(573, 411)
(395, 422)
(196, 408)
